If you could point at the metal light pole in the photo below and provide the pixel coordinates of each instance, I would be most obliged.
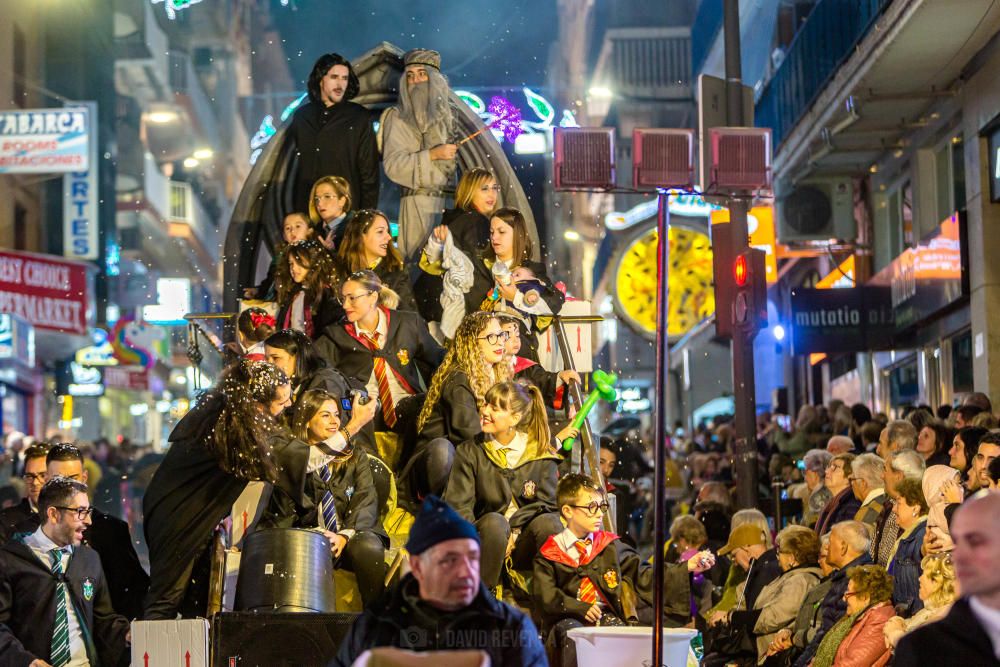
(744, 390)
(660, 416)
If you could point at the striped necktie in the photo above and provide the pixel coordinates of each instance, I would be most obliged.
(327, 508)
(60, 635)
(382, 380)
(587, 593)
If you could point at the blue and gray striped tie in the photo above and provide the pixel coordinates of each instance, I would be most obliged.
(328, 510)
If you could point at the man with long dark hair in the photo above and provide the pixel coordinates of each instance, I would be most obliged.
(334, 136)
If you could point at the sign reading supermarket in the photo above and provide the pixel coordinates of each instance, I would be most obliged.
(44, 141)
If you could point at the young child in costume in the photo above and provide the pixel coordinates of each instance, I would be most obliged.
(578, 573)
(294, 228)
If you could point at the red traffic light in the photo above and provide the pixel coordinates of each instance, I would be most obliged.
(741, 271)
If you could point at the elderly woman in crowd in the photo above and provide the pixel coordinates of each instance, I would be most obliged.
(858, 640)
(814, 494)
(779, 602)
(910, 510)
(843, 505)
(938, 590)
(808, 619)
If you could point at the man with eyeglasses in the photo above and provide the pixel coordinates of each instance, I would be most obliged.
(23, 517)
(54, 604)
(578, 574)
(107, 535)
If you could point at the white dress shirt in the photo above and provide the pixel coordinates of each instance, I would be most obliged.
(396, 389)
(567, 542)
(41, 545)
(989, 618)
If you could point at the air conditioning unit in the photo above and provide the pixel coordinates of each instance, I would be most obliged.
(663, 158)
(584, 158)
(740, 160)
(817, 209)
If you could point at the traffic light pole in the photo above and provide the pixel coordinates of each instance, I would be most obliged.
(744, 389)
(660, 423)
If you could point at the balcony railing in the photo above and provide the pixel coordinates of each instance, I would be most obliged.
(186, 209)
(821, 46)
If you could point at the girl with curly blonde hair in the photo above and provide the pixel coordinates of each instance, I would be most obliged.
(450, 415)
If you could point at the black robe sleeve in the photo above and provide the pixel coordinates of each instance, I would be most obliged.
(368, 167)
(552, 602)
(676, 580)
(460, 410)
(110, 628)
(461, 490)
(362, 509)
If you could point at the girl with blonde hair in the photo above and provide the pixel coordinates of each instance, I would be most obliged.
(504, 479)
(329, 204)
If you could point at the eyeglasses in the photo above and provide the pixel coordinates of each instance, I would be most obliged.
(34, 477)
(593, 507)
(322, 198)
(81, 512)
(351, 298)
(495, 338)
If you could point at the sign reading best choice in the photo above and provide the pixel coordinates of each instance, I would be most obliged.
(49, 292)
(44, 141)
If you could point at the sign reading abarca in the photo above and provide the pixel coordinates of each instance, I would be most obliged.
(44, 141)
(51, 293)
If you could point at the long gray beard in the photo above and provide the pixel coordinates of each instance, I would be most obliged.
(425, 106)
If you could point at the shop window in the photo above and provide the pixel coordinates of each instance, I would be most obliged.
(904, 385)
(961, 363)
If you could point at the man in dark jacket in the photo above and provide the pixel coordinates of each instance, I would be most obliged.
(54, 603)
(849, 544)
(968, 635)
(442, 605)
(334, 136)
(23, 517)
(109, 536)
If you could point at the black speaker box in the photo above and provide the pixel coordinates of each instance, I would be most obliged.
(247, 639)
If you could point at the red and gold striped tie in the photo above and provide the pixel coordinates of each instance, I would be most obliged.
(382, 379)
(587, 593)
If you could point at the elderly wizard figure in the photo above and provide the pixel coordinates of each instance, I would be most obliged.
(417, 149)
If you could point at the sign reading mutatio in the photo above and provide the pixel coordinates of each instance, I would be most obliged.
(44, 141)
(841, 320)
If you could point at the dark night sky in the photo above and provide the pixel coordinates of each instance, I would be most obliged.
(498, 43)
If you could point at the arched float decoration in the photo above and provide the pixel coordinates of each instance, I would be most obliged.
(267, 193)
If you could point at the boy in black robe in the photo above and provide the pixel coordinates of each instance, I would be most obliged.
(578, 573)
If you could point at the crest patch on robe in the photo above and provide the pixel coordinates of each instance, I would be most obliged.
(88, 589)
(611, 579)
(403, 356)
(529, 489)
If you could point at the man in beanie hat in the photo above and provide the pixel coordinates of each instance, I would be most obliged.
(442, 605)
(417, 148)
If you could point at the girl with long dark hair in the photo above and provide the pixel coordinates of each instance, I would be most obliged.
(357, 540)
(215, 450)
(367, 245)
(306, 283)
